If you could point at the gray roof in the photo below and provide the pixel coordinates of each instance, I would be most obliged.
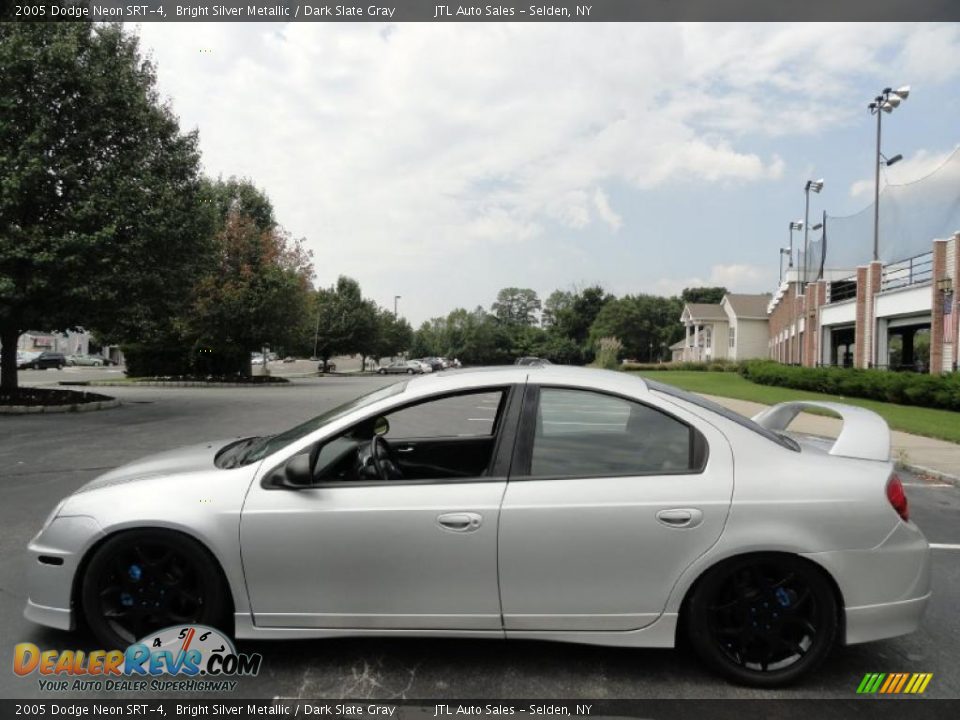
(678, 345)
(705, 311)
(749, 306)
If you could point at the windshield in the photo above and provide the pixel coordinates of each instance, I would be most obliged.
(736, 417)
(269, 445)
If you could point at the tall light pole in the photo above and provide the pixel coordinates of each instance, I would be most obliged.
(794, 225)
(784, 251)
(886, 102)
(395, 298)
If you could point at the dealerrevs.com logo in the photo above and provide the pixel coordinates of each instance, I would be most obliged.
(182, 658)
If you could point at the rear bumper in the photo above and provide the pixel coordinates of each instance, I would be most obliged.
(885, 589)
(876, 622)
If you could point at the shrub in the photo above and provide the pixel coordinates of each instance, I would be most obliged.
(904, 388)
(715, 366)
(608, 355)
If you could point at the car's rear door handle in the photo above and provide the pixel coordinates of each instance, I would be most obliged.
(680, 517)
(460, 521)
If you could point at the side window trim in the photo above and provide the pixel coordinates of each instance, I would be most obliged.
(521, 467)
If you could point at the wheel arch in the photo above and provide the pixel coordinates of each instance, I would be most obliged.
(77, 583)
(683, 611)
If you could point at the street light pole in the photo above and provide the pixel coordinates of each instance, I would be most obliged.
(395, 298)
(876, 195)
(886, 102)
(794, 225)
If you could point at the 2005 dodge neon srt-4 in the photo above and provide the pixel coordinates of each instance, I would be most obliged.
(549, 503)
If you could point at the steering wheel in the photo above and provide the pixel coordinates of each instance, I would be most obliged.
(384, 461)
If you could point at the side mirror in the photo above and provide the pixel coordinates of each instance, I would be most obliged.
(294, 474)
(381, 426)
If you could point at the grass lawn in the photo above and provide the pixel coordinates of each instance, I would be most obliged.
(929, 422)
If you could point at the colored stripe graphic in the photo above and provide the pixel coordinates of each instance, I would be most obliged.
(894, 683)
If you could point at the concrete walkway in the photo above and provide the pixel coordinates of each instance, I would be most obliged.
(937, 458)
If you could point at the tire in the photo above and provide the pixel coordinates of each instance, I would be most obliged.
(763, 620)
(381, 371)
(409, 371)
(157, 562)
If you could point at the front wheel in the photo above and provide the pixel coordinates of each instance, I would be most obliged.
(141, 581)
(409, 371)
(763, 620)
(381, 371)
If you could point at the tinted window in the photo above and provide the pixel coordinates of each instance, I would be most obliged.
(470, 415)
(586, 434)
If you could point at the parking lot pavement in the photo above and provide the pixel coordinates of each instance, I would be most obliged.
(43, 458)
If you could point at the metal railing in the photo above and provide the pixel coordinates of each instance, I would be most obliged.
(840, 290)
(904, 273)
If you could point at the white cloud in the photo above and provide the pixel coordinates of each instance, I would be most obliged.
(737, 278)
(389, 146)
(602, 204)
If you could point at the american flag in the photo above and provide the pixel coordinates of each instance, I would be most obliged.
(948, 323)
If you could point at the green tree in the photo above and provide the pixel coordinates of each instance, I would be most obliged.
(255, 295)
(708, 295)
(103, 219)
(516, 306)
(346, 323)
(393, 337)
(642, 323)
(559, 302)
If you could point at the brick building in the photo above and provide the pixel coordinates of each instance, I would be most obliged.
(900, 315)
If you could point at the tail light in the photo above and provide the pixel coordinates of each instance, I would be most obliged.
(897, 497)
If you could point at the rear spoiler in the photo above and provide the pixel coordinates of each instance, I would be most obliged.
(864, 434)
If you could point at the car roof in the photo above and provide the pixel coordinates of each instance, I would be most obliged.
(454, 379)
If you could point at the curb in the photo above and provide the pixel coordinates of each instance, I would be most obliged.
(930, 472)
(54, 409)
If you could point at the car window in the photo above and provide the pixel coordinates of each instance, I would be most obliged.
(580, 433)
(466, 415)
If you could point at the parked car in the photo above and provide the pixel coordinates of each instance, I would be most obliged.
(401, 367)
(25, 358)
(46, 360)
(433, 363)
(532, 361)
(86, 360)
(567, 503)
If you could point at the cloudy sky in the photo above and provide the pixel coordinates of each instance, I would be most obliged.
(443, 162)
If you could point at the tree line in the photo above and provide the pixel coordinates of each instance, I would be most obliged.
(566, 328)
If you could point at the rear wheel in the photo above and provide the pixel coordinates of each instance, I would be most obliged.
(145, 580)
(409, 371)
(763, 620)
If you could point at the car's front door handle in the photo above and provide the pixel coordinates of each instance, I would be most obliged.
(680, 517)
(460, 521)
(405, 449)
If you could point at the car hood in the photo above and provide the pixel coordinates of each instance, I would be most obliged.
(180, 461)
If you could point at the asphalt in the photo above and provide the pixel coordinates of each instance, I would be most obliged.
(43, 458)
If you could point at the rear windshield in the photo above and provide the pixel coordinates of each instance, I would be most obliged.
(726, 413)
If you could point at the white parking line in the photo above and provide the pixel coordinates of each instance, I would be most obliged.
(945, 546)
(926, 485)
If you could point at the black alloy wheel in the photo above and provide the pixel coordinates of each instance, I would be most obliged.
(145, 580)
(763, 620)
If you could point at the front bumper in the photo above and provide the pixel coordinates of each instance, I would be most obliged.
(53, 557)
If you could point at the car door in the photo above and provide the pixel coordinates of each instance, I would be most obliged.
(415, 553)
(609, 499)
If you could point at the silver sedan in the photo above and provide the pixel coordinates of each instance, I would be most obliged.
(543, 503)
